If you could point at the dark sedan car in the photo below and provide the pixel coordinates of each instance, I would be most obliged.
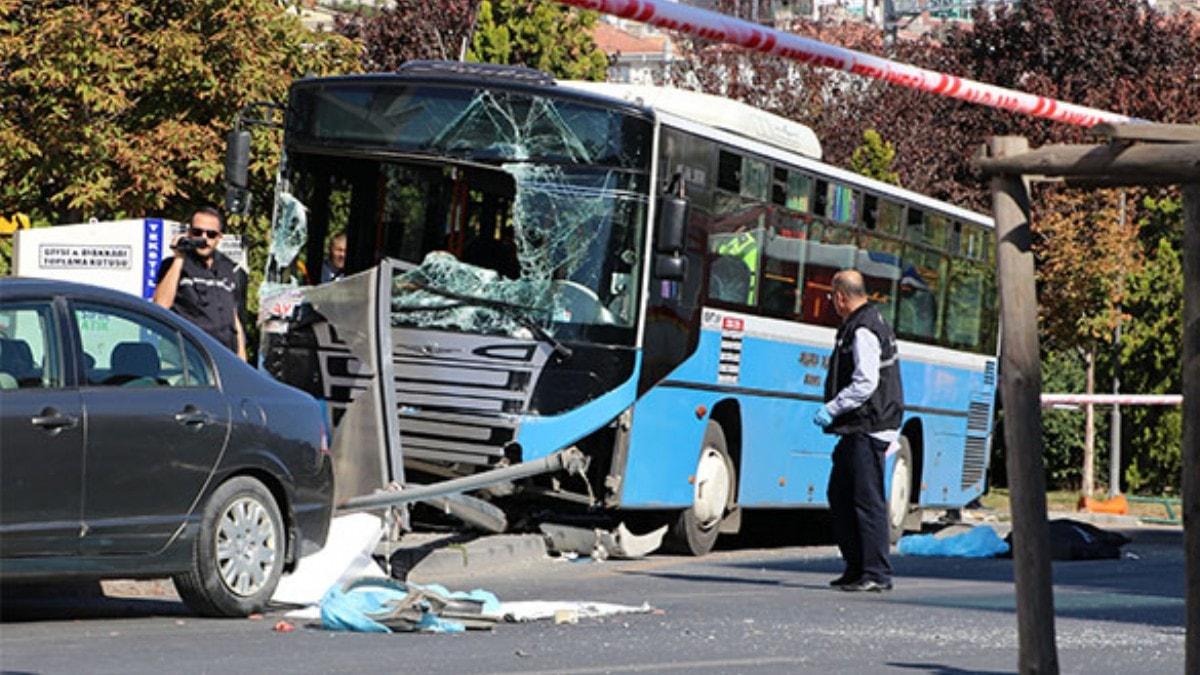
(134, 445)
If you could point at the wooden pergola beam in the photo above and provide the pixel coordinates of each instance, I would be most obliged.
(1100, 182)
(1158, 133)
(1020, 390)
(1174, 157)
(1191, 419)
(1179, 163)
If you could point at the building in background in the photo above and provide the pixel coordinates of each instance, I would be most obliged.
(638, 53)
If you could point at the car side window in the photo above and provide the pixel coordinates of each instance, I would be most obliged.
(28, 349)
(197, 373)
(127, 349)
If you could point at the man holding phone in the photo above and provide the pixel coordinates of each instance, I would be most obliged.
(200, 284)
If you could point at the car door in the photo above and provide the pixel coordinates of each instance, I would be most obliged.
(41, 435)
(156, 427)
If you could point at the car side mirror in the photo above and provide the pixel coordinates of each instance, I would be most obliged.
(237, 171)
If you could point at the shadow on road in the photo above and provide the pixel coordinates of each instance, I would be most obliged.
(71, 601)
(938, 669)
(1145, 587)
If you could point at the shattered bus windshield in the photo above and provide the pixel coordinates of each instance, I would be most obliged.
(515, 215)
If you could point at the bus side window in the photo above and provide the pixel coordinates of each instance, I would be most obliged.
(915, 228)
(879, 260)
(921, 290)
(733, 269)
(779, 186)
(890, 218)
(870, 216)
(799, 192)
(729, 171)
(841, 203)
(937, 230)
(830, 248)
(783, 265)
(756, 179)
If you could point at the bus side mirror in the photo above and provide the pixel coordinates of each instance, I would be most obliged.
(671, 233)
(237, 170)
(670, 238)
(670, 267)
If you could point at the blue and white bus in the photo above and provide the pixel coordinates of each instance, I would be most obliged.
(550, 291)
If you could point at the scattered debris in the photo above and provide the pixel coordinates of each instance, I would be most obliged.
(386, 605)
(284, 627)
(255, 617)
(372, 605)
(562, 616)
(346, 555)
(602, 544)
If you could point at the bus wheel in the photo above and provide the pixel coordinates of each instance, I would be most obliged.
(901, 491)
(695, 530)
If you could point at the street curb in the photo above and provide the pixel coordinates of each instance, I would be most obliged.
(478, 557)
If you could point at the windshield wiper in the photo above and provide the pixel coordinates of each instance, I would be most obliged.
(520, 313)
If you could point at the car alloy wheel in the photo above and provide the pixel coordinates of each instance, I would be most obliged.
(246, 546)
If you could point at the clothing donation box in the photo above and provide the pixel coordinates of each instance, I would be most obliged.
(123, 255)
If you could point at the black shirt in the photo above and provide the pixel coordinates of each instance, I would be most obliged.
(207, 296)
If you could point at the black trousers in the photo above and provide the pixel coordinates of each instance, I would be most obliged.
(860, 518)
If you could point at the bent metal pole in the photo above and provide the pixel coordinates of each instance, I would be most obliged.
(718, 27)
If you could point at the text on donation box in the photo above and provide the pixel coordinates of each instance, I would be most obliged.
(84, 257)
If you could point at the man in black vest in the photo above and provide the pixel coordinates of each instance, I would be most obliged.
(202, 285)
(864, 404)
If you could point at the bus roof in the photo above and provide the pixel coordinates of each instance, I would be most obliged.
(722, 113)
(757, 131)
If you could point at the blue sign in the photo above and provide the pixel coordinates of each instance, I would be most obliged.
(153, 237)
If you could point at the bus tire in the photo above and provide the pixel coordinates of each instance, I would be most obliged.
(900, 493)
(695, 530)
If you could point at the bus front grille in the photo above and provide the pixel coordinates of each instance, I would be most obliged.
(459, 396)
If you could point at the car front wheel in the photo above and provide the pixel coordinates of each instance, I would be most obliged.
(239, 553)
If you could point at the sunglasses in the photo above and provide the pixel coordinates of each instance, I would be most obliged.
(200, 232)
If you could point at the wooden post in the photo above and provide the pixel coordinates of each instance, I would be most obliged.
(1191, 418)
(1020, 389)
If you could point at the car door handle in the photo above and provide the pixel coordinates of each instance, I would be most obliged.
(51, 420)
(190, 416)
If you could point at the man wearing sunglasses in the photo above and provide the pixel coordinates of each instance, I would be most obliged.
(202, 285)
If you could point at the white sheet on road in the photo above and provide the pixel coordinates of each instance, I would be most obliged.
(347, 555)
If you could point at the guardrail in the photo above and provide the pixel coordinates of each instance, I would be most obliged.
(1170, 504)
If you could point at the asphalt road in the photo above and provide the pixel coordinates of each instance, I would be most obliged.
(740, 611)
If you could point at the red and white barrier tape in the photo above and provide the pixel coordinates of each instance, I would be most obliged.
(718, 27)
(1110, 399)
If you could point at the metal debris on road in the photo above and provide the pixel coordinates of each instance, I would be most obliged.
(601, 544)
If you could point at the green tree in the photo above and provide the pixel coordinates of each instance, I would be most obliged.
(1085, 249)
(874, 158)
(119, 108)
(1151, 345)
(539, 34)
